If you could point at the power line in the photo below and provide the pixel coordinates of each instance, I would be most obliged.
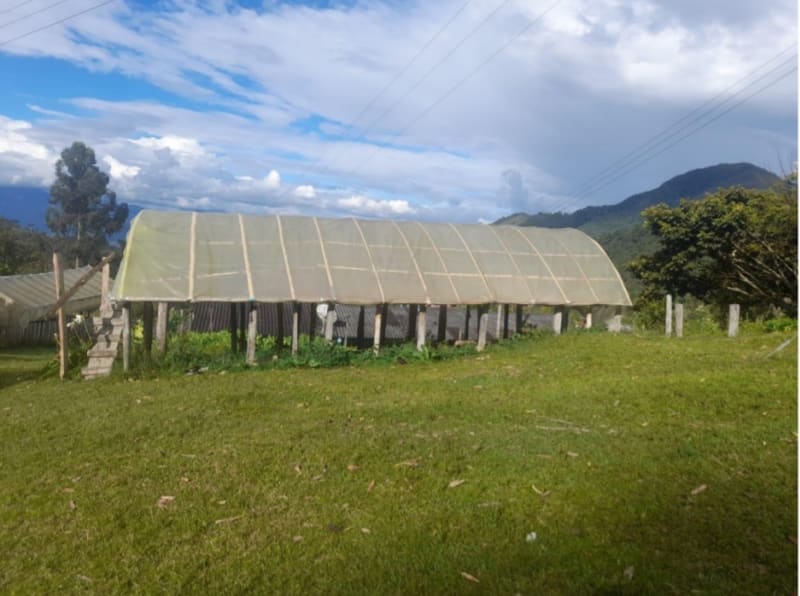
(410, 63)
(16, 6)
(637, 164)
(431, 70)
(58, 22)
(31, 14)
(657, 139)
(466, 78)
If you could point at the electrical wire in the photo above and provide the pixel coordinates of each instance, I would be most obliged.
(31, 14)
(54, 23)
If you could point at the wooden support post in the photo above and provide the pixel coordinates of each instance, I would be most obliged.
(518, 321)
(360, 328)
(384, 321)
(234, 328)
(421, 326)
(252, 332)
(376, 339)
(161, 327)
(105, 285)
(466, 324)
(63, 354)
(483, 323)
(411, 332)
(441, 331)
(498, 328)
(588, 322)
(147, 322)
(617, 323)
(668, 317)
(505, 320)
(564, 319)
(312, 322)
(126, 336)
(295, 327)
(329, 321)
(733, 320)
(281, 333)
(558, 315)
(678, 320)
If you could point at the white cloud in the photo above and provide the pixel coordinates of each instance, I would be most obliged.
(305, 191)
(14, 140)
(364, 205)
(272, 180)
(117, 169)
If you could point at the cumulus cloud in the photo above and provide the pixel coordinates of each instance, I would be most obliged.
(305, 191)
(360, 204)
(117, 169)
(581, 88)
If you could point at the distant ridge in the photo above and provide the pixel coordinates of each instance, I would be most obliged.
(691, 185)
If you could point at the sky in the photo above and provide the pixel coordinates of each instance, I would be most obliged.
(461, 111)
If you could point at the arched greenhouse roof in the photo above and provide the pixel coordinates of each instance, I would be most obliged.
(182, 256)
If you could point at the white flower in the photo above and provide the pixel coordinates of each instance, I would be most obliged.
(531, 537)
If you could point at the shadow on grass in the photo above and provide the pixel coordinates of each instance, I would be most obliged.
(23, 364)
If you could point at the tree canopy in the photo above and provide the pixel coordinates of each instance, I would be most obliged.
(83, 212)
(733, 246)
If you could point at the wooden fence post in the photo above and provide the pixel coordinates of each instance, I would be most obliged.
(126, 336)
(161, 327)
(518, 319)
(506, 310)
(360, 327)
(422, 313)
(295, 327)
(498, 327)
(483, 323)
(58, 272)
(281, 332)
(668, 317)
(411, 332)
(234, 328)
(466, 324)
(252, 332)
(733, 320)
(376, 336)
(678, 319)
(384, 320)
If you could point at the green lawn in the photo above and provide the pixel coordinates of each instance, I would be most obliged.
(643, 465)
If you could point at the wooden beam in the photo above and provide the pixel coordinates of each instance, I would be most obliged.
(162, 316)
(668, 317)
(147, 321)
(376, 336)
(498, 327)
(518, 321)
(295, 327)
(65, 296)
(558, 316)
(384, 320)
(441, 332)
(505, 320)
(421, 326)
(126, 336)
(588, 321)
(63, 354)
(678, 320)
(483, 323)
(252, 332)
(312, 322)
(733, 320)
(466, 324)
(243, 314)
(329, 321)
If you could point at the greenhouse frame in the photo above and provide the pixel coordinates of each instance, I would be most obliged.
(180, 257)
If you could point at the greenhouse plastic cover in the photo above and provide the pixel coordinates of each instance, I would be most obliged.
(183, 256)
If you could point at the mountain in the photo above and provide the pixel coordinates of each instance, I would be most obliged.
(618, 227)
(603, 219)
(27, 206)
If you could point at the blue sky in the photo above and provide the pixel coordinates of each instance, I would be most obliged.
(390, 109)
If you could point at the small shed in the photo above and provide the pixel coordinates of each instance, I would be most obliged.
(25, 301)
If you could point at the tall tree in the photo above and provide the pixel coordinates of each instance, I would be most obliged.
(734, 246)
(83, 212)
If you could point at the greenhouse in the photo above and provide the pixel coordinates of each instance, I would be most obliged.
(184, 257)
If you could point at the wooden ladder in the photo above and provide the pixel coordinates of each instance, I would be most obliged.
(108, 336)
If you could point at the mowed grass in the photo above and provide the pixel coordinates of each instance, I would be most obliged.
(643, 465)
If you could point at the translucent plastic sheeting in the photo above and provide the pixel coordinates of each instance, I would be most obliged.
(179, 256)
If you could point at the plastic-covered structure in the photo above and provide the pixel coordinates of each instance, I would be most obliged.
(28, 298)
(211, 257)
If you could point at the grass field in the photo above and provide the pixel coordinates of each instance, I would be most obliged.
(642, 465)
